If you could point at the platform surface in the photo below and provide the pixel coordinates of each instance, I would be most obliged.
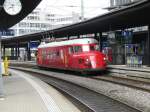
(25, 93)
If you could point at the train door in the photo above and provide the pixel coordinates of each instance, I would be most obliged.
(46, 56)
(50, 57)
(66, 57)
(39, 57)
(59, 57)
(70, 57)
(43, 56)
(63, 58)
(77, 56)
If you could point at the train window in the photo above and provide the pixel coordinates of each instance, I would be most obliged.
(97, 47)
(94, 48)
(71, 50)
(57, 53)
(85, 48)
(77, 49)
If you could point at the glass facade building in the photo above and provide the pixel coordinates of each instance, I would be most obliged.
(116, 3)
(41, 20)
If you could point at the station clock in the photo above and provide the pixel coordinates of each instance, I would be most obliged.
(12, 7)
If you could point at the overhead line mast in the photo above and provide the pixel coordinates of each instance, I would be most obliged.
(82, 10)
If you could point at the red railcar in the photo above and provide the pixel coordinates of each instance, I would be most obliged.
(77, 54)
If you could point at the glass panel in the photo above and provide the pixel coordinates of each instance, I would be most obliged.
(97, 47)
(94, 48)
(77, 49)
(86, 48)
(71, 50)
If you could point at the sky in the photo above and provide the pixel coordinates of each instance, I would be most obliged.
(92, 8)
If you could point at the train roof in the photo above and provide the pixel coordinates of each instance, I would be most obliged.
(68, 42)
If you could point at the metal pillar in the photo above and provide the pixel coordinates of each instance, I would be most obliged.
(95, 36)
(148, 46)
(4, 51)
(98, 37)
(16, 53)
(12, 53)
(1, 79)
(100, 41)
(82, 10)
(28, 52)
(68, 37)
(78, 36)
(112, 3)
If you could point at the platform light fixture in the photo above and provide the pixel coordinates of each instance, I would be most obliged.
(12, 7)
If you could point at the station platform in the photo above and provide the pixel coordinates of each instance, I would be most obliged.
(142, 68)
(25, 93)
(143, 71)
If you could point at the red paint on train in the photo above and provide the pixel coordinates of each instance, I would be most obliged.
(78, 55)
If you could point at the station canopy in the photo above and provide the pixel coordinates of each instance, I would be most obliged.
(128, 17)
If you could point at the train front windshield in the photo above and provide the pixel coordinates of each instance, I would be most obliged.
(87, 48)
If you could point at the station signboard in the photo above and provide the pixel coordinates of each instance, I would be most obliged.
(127, 36)
(34, 44)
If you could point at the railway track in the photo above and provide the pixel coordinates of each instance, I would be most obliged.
(138, 83)
(91, 101)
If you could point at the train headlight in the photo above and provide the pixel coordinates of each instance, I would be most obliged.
(105, 58)
(87, 62)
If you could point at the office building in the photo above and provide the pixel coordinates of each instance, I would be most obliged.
(115, 4)
(41, 20)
